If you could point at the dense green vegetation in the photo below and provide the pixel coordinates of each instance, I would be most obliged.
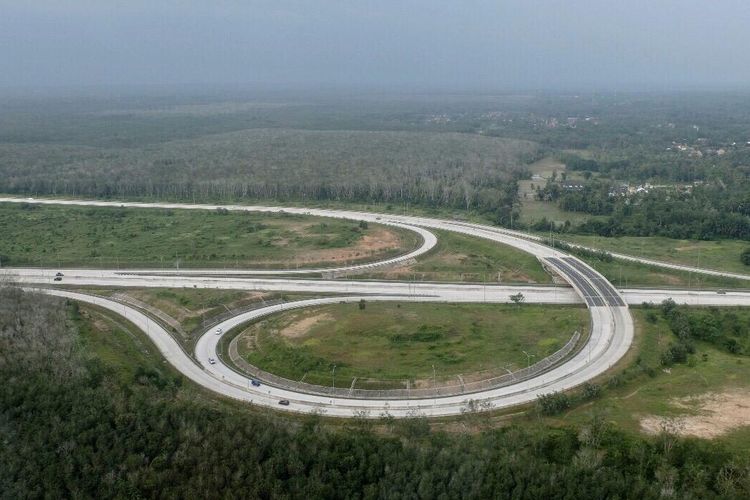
(439, 170)
(101, 423)
(393, 342)
(704, 213)
(443, 152)
(55, 236)
(728, 329)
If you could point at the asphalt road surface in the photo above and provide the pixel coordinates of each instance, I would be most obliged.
(610, 336)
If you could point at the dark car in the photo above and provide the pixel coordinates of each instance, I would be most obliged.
(58, 278)
(59, 274)
(256, 383)
(284, 402)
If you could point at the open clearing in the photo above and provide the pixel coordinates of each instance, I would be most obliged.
(715, 415)
(396, 342)
(625, 274)
(723, 255)
(464, 258)
(113, 237)
(707, 397)
(532, 209)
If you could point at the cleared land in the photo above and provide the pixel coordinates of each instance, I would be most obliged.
(533, 210)
(723, 255)
(112, 237)
(463, 258)
(395, 342)
(707, 397)
(624, 274)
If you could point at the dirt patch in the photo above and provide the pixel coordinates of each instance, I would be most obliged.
(375, 245)
(378, 240)
(514, 276)
(715, 415)
(246, 339)
(452, 258)
(686, 248)
(300, 328)
(101, 325)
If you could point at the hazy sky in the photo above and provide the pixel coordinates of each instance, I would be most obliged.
(458, 44)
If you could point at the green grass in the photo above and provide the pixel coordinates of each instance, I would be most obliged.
(723, 255)
(117, 343)
(393, 342)
(128, 355)
(533, 210)
(194, 308)
(645, 395)
(625, 274)
(56, 236)
(464, 258)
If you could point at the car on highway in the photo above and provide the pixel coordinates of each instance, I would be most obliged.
(59, 274)
(212, 361)
(219, 331)
(256, 383)
(284, 402)
(58, 278)
(722, 292)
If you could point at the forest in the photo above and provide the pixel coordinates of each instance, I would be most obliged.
(444, 152)
(73, 426)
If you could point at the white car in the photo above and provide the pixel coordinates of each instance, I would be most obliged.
(211, 361)
(219, 331)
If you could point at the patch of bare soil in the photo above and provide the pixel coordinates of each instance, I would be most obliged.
(685, 248)
(452, 258)
(246, 339)
(378, 240)
(514, 276)
(299, 328)
(716, 414)
(101, 325)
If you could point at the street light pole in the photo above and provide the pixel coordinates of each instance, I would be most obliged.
(528, 358)
(333, 381)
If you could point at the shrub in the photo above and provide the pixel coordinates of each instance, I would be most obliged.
(591, 391)
(553, 403)
(745, 256)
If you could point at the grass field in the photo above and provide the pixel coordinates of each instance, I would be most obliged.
(116, 342)
(113, 237)
(533, 210)
(190, 307)
(393, 342)
(188, 312)
(723, 255)
(465, 258)
(624, 274)
(712, 375)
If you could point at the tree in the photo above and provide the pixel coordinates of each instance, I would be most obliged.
(745, 256)
(517, 298)
(361, 304)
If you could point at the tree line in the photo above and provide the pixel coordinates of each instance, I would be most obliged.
(77, 428)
